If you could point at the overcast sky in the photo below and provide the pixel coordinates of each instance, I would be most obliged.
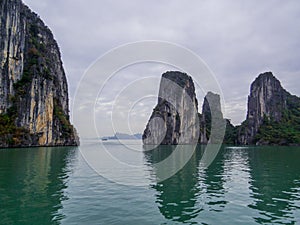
(237, 39)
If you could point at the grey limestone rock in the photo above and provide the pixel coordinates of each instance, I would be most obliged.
(174, 120)
(33, 86)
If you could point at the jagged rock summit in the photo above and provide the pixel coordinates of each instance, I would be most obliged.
(34, 109)
(273, 115)
(174, 120)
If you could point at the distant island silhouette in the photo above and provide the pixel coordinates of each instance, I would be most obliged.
(123, 136)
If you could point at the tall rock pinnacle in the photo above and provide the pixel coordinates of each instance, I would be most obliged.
(212, 116)
(34, 109)
(174, 120)
(269, 105)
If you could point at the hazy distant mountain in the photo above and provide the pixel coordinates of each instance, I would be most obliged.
(123, 136)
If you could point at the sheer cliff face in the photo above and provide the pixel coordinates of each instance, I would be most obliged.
(267, 99)
(174, 120)
(33, 85)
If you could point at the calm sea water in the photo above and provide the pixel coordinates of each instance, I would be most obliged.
(256, 185)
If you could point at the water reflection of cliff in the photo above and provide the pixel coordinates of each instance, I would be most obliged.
(275, 184)
(177, 196)
(32, 183)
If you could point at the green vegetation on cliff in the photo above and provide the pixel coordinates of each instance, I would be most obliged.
(58, 113)
(284, 132)
(10, 134)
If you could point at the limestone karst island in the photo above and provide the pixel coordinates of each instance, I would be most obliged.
(273, 114)
(34, 103)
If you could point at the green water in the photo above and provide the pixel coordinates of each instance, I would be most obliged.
(258, 185)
